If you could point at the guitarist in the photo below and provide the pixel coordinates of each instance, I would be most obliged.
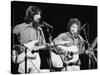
(73, 39)
(27, 32)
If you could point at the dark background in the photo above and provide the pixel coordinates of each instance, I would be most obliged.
(58, 16)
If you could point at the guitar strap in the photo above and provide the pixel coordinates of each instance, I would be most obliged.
(40, 35)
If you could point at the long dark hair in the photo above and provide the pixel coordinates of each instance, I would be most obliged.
(30, 12)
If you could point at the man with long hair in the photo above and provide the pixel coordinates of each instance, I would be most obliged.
(27, 33)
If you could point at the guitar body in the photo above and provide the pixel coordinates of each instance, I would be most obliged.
(32, 45)
(74, 58)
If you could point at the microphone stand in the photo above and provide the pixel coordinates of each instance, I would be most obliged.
(86, 41)
(50, 61)
(25, 60)
(50, 39)
(26, 48)
(88, 47)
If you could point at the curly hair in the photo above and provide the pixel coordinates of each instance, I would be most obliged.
(73, 21)
(30, 12)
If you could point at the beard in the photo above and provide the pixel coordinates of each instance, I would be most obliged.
(36, 22)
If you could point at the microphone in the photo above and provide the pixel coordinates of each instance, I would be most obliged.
(76, 35)
(83, 27)
(46, 24)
